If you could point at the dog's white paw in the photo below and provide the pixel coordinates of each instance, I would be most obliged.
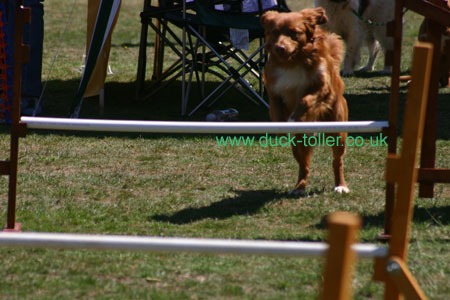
(341, 189)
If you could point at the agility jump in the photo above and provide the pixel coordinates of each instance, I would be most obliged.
(201, 127)
(400, 170)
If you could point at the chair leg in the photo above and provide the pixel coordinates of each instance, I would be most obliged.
(140, 77)
(260, 67)
(203, 63)
(142, 60)
(158, 58)
(191, 72)
(240, 80)
(174, 68)
(233, 85)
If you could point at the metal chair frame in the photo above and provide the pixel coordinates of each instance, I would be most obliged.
(195, 61)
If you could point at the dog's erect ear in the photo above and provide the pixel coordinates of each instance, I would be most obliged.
(320, 16)
(268, 18)
(315, 16)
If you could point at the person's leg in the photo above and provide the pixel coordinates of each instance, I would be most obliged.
(31, 71)
(33, 35)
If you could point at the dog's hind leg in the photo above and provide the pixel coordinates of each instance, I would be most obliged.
(374, 49)
(338, 163)
(352, 56)
(386, 43)
(302, 154)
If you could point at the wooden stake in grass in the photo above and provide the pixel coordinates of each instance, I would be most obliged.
(343, 230)
(401, 169)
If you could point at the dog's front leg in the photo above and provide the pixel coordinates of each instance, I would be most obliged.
(301, 150)
(276, 108)
(299, 112)
(338, 163)
(299, 109)
(302, 154)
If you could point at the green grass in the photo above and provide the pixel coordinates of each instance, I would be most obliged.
(173, 185)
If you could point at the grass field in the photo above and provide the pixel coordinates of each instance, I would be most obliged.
(188, 186)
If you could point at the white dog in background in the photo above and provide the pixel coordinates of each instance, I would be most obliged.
(350, 18)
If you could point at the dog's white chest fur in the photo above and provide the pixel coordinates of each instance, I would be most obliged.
(290, 79)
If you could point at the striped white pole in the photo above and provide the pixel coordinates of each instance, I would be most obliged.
(201, 127)
(167, 244)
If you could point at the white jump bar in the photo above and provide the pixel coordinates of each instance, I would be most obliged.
(168, 244)
(201, 127)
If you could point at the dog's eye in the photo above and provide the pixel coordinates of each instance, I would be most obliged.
(294, 33)
(275, 33)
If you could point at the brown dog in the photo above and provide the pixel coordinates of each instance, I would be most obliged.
(303, 82)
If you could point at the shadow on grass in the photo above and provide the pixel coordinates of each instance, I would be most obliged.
(244, 203)
(436, 216)
(121, 103)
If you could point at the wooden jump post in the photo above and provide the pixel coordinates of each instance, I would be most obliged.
(437, 16)
(343, 231)
(18, 130)
(401, 170)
